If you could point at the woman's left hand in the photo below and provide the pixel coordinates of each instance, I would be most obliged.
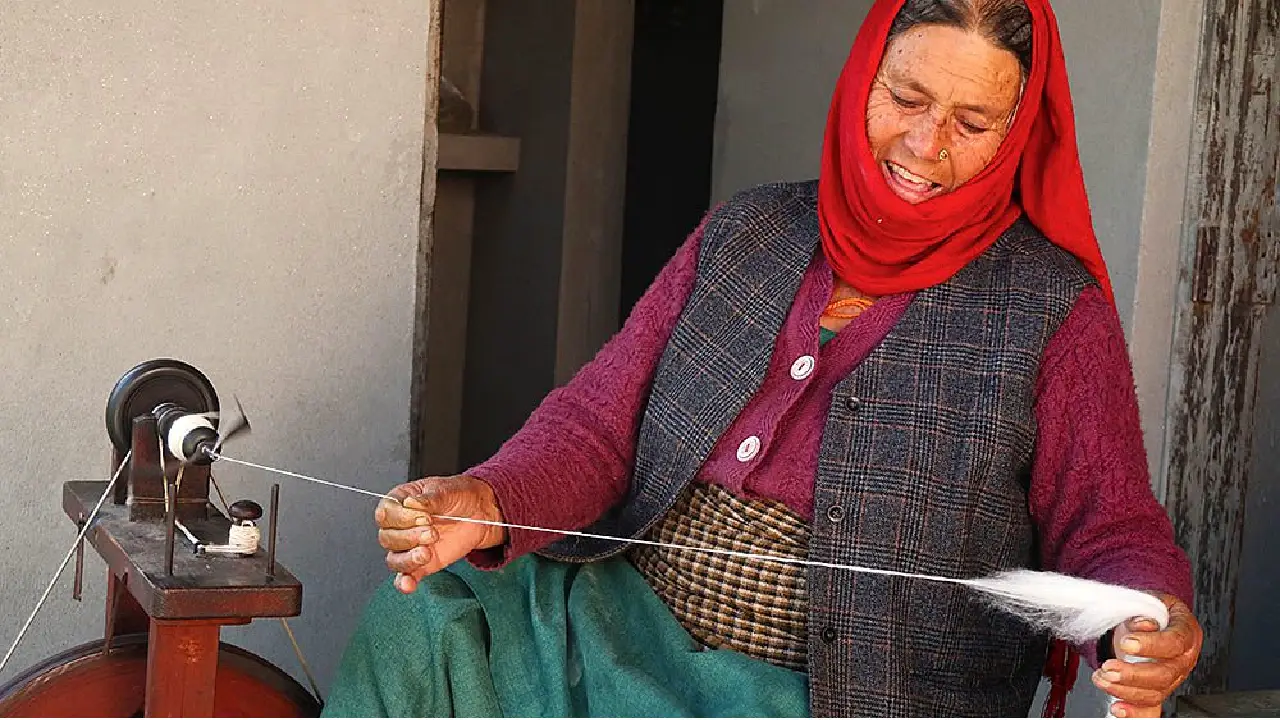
(1143, 687)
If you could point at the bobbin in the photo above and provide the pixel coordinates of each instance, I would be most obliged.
(244, 535)
(188, 436)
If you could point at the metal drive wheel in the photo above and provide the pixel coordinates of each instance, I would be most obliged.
(149, 384)
(86, 682)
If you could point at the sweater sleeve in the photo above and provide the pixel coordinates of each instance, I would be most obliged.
(1091, 494)
(571, 460)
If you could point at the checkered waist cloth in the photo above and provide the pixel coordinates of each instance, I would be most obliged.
(755, 607)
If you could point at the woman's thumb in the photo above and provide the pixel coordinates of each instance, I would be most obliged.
(424, 500)
(434, 496)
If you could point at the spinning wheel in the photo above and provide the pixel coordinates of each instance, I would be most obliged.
(178, 570)
(150, 385)
(90, 680)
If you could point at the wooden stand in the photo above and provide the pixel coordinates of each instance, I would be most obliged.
(166, 605)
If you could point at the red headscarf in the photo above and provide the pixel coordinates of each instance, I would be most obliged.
(882, 245)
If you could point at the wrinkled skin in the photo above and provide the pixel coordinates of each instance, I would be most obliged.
(940, 88)
(1143, 687)
(418, 543)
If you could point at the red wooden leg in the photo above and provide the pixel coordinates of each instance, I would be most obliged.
(124, 615)
(182, 665)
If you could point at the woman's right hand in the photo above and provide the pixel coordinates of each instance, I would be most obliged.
(419, 544)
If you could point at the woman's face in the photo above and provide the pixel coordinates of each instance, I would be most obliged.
(939, 108)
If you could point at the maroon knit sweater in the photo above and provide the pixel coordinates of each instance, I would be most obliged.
(1090, 495)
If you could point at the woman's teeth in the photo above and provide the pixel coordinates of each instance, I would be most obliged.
(911, 178)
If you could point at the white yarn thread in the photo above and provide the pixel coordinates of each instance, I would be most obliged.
(1069, 608)
(245, 537)
(191, 537)
(183, 427)
(88, 525)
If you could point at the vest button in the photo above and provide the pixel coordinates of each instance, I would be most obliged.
(802, 367)
(829, 634)
(748, 449)
(854, 404)
(835, 513)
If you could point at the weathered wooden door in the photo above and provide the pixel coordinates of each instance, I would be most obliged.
(1228, 283)
(419, 407)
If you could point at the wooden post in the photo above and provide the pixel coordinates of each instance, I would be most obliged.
(595, 181)
(124, 615)
(418, 408)
(465, 155)
(1232, 262)
(182, 664)
(461, 61)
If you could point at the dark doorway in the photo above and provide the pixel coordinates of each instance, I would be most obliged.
(675, 75)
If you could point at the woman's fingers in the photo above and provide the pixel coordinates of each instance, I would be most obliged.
(1159, 676)
(411, 566)
(406, 583)
(402, 540)
(1181, 639)
(1139, 684)
(409, 582)
(410, 561)
(1171, 654)
(418, 525)
(400, 515)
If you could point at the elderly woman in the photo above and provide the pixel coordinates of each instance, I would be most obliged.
(913, 364)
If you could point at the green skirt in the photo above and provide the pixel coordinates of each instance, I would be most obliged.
(546, 639)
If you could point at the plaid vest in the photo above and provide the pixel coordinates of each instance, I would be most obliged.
(924, 464)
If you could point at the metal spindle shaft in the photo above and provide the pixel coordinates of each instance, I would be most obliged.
(275, 516)
(78, 582)
(171, 525)
(77, 586)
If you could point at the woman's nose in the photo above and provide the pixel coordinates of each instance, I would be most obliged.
(926, 138)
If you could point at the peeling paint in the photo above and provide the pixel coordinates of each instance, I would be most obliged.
(1231, 283)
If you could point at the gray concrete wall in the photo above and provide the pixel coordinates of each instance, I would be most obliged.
(779, 62)
(781, 58)
(235, 184)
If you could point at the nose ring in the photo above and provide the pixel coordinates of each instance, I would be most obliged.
(944, 154)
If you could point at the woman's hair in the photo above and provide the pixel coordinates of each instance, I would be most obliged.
(1005, 22)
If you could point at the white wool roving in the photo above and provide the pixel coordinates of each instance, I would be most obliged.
(1069, 608)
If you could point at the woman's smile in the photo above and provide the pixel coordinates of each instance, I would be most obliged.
(909, 186)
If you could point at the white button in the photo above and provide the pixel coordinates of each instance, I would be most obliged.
(748, 449)
(802, 367)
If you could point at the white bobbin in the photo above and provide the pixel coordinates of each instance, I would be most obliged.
(244, 537)
(182, 427)
(1111, 699)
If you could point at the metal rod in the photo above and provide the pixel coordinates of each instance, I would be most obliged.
(113, 608)
(275, 516)
(77, 586)
(171, 524)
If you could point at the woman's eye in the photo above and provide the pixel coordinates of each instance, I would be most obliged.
(903, 102)
(973, 129)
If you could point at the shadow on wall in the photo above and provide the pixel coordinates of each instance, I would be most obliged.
(1254, 645)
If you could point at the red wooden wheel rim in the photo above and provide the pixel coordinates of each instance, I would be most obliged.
(86, 682)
